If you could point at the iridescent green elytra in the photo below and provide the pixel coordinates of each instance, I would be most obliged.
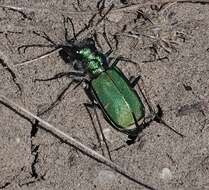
(119, 102)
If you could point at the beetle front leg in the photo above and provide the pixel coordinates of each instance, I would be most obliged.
(71, 74)
(24, 47)
(120, 58)
(65, 21)
(108, 53)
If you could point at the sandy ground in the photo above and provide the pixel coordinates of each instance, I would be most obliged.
(170, 45)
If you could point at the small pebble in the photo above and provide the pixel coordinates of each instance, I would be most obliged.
(106, 132)
(166, 174)
(17, 139)
(105, 177)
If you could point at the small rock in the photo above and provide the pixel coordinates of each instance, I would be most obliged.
(106, 133)
(17, 139)
(166, 174)
(105, 177)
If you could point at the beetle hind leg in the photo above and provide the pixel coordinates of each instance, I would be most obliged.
(158, 119)
(157, 115)
(134, 80)
(154, 115)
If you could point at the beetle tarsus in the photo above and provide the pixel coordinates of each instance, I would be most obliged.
(134, 80)
(131, 140)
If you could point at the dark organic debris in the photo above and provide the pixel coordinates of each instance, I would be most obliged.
(14, 77)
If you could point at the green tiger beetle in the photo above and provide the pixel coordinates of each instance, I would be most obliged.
(110, 90)
(106, 85)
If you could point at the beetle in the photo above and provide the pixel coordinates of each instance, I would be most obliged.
(111, 90)
(106, 85)
(108, 88)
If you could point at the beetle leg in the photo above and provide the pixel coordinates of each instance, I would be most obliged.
(61, 95)
(90, 95)
(87, 106)
(134, 80)
(106, 38)
(158, 118)
(46, 37)
(65, 20)
(71, 74)
(155, 115)
(93, 105)
(58, 99)
(103, 136)
(120, 58)
(95, 37)
(132, 137)
(24, 47)
(108, 53)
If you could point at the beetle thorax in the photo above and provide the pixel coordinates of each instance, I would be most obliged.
(94, 62)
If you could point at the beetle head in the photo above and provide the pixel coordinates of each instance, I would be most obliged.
(69, 52)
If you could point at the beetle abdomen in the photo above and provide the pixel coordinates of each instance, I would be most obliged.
(117, 99)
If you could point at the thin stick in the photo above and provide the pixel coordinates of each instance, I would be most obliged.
(38, 58)
(91, 153)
